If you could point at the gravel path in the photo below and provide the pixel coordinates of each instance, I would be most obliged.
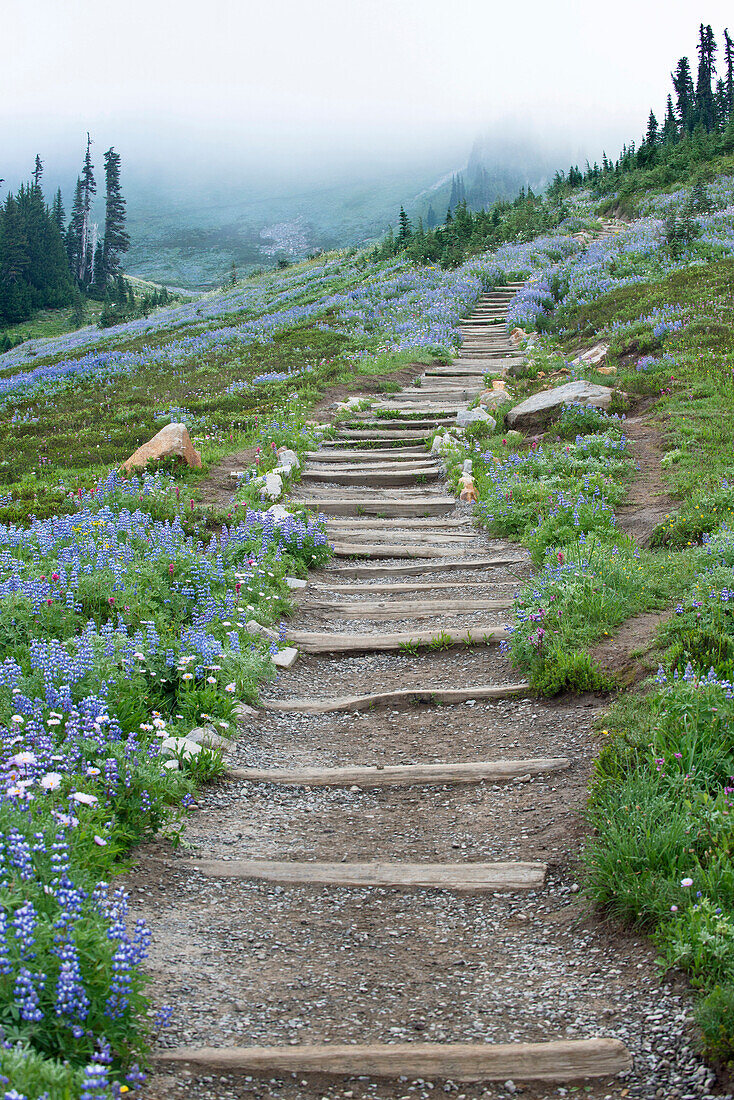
(255, 964)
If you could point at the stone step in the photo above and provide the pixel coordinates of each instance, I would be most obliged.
(400, 697)
(479, 771)
(406, 609)
(369, 476)
(472, 877)
(438, 565)
(556, 1060)
(475, 634)
(376, 506)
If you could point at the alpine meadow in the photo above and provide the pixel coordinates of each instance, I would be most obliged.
(366, 552)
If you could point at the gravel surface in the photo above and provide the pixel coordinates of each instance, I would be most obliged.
(257, 964)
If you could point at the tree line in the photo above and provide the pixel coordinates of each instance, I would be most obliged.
(697, 126)
(46, 263)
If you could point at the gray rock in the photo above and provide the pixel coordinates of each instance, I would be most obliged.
(180, 746)
(284, 658)
(245, 713)
(546, 406)
(252, 626)
(208, 737)
(465, 417)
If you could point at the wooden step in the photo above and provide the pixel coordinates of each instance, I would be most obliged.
(397, 587)
(354, 523)
(374, 551)
(401, 697)
(313, 642)
(336, 506)
(369, 476)
(493, 877)
(437, 565)
(556, 1060)
(405, 609)
(381, 437)
(374, 454)
(402, 775)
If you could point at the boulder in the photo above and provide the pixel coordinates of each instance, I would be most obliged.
(294, 582)
(245, 713)
(287, 458)
(252, 626)
(208, 737)
(467, 466)
(173, 441)
(284, 658)
(592, 357)
(546, 406)
(465, 417)
(180, 747)
(278, 512)
(273, 485)
(492, 399)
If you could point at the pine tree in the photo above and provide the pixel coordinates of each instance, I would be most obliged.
(75, 231)
(89, 189)
(404, 228)
(431, 219)
(729, 78)
(16, 297)
(38, 171)
(58, 214)
(683, 84)
(670, 125)
(705, 104)
(651, 136)
(116, 238)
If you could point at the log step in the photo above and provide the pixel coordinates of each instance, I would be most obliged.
(395, 698)
(494, 877)
(405, 609)
(557, 1060)
(438, 565)
(397, 587)
(492, 771)
(337, 506)
(312, 642)
(368, 476)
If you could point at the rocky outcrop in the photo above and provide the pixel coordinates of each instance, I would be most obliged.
(543, 407)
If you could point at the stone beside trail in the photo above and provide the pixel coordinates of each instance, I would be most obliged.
(380, 897)
(541, 408)
(173, 441)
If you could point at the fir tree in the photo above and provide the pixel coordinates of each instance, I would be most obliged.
(705, 104)
(75, 231)
(38, 171)
(670, 125)
(729, 78)
(16, 299)
(404, 228)
(431, 219)
(89, 189)
(683, 84)
(651, 136)
(116, 238)
(58, 214)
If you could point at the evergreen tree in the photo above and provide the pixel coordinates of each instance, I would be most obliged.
(670, 125)
(16, 299)
(705, 103)
(89, 189)
(683, 84)
(651, 136)
(729, 78)
(116, 239)
(75, 231)
(58, 214)
(404, 228)
(38, 171)
(431, 219)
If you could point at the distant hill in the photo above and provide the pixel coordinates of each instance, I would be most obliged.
(190, 234)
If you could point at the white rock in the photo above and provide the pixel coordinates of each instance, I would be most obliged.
(172, 765)
(244, 713)
(252, 626)
(438, 444)
(467, 467)
(209, 738)
(593, 356)
(295, 582)
(465, 417)
(545, 406)
(284, 658)
(278, 512)
(273, 486)
(288, 458)
(180, 746)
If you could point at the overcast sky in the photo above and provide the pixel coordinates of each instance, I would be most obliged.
(297, 80)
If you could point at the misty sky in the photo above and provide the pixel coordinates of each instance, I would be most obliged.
(296, 81)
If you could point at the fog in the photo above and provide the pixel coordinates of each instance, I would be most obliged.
(302, 90)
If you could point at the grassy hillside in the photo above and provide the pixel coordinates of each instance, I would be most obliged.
(124, 600)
